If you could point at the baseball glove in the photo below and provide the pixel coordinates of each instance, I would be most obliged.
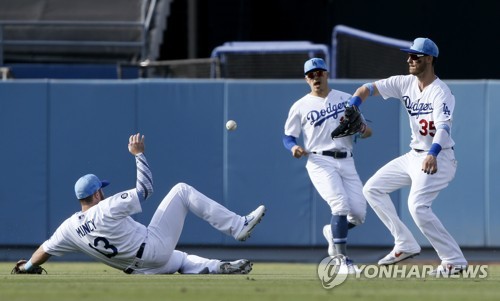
(351, 124)
(19, 268)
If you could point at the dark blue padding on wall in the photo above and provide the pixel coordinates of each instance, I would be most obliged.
(90, 122)
(184, 123)
(24, 177)
(492, 164)
(58, 130)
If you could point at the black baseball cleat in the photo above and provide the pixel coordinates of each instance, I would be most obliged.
(241, 266)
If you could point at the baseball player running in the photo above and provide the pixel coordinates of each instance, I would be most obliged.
(105, 230)
(330, 162)
(430, 164)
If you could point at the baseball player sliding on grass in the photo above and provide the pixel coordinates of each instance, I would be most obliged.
(104, 230)
(330, 162)
(428, 167)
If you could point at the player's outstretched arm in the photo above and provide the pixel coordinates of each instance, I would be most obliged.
(144, 182)
(38, 258)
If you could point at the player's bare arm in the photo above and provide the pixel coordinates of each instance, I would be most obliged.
(38, 258)
(366, 90)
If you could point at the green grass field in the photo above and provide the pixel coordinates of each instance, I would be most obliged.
(268, 281)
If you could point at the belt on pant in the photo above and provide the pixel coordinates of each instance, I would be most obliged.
(422, 150)
(130, 270)
(334, 154)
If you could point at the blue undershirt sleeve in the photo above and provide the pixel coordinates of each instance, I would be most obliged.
(289, 142)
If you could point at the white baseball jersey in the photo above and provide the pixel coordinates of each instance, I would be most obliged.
(106, 231)
(427, 109)
(316, 118)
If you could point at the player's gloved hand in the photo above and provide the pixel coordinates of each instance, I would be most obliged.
(19, 268)
(351, 124)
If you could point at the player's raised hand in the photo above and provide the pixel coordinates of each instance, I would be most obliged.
(136, 144)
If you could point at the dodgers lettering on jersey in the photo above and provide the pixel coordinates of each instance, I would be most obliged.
(315, 118)
(417, 108)
(427, 110)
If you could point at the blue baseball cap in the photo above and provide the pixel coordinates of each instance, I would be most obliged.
(314, 64)
(423, 46)
(88, 185)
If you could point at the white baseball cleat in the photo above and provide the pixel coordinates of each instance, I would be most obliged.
(447, 270)
(346, 266)
(394, 257)
(351, 267)
(327, 233)
(251, 220)
(241, 266)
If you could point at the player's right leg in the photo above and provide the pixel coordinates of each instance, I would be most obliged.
(168, 220)
(387, 179)
(425, 189)
(324, 174)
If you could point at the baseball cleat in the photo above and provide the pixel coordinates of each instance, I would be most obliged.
(241, 266)
(251, 220)
(345, 266)
(327, 233)
(394, 257)
(351, 267)
(447, 270)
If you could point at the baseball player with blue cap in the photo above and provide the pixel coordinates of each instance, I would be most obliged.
(427, 168)
(105, 230)
(330, 162)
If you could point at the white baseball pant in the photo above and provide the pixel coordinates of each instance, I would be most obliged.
(404, 171)
(338, 183)
(164, 230)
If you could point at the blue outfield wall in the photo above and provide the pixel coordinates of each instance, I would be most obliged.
(54, 131)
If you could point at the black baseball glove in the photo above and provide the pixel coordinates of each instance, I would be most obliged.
(19, 268)
(351, 124)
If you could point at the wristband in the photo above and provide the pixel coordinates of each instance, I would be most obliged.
(370, 88)
(435, 149)
(355, 101)
(28, 265)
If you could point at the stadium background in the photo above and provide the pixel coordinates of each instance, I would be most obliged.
(464, 30)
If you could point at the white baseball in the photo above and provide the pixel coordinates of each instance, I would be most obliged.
(231, 125)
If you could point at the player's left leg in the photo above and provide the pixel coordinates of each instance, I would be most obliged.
(425, 188)
(324, 174)
(184, 263)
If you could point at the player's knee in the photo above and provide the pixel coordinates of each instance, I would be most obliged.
(181, 186)
(371, 192)
(419, 213)
(357, 220)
